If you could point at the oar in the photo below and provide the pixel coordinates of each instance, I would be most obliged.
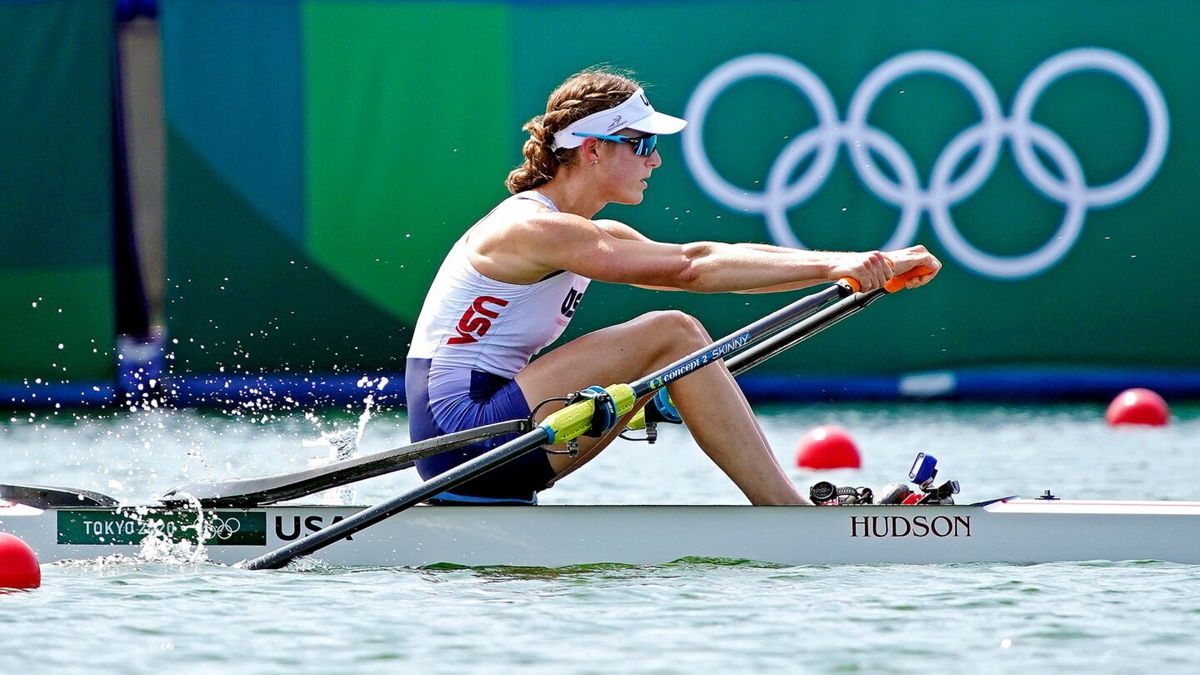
(249, 492)
(766, 347)
(790, 337)
(561, 426)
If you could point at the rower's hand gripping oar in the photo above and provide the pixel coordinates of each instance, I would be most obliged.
(568, 423)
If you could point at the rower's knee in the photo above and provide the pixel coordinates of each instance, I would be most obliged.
(678, 331)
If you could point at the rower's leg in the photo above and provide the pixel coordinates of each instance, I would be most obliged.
(709, 400)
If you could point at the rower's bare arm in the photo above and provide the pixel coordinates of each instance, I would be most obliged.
(622, 231)
(900, 260)
(601, 252)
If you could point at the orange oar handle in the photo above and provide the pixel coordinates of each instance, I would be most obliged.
(894, 284)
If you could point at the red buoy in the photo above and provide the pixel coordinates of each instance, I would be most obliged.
(1137, 406)
(18, 565)
(827, 447)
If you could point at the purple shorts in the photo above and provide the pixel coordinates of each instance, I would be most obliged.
(490, 399)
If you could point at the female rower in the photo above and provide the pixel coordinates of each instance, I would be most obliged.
(512, 282)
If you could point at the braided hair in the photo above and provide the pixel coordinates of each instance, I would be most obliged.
(584, 93)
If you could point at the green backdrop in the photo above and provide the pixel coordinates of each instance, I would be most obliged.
(56, 290)
(324, 154)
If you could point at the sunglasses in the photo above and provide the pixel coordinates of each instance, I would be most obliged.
(643, 145)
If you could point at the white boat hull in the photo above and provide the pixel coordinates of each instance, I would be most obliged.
(1020, 531)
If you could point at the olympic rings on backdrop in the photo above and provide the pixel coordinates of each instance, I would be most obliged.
(986, 138)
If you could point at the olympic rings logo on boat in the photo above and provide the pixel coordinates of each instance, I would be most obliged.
(224, 528)
(945, 187)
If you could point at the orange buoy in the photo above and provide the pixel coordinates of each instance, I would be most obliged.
(18, 565)
(827, 447)
(1137, 406)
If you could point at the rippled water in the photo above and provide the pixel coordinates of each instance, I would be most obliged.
(147, 616)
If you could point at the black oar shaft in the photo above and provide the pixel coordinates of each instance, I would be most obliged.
(250, 492)
(791, 336)
(740, 339)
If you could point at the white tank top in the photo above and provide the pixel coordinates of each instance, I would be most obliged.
(471, 322)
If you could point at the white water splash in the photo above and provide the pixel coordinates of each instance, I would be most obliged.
(164, 542)
(343, 444)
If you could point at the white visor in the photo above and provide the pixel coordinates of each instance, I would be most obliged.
(634, 113)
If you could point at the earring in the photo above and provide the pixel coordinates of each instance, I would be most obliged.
(595, 162)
